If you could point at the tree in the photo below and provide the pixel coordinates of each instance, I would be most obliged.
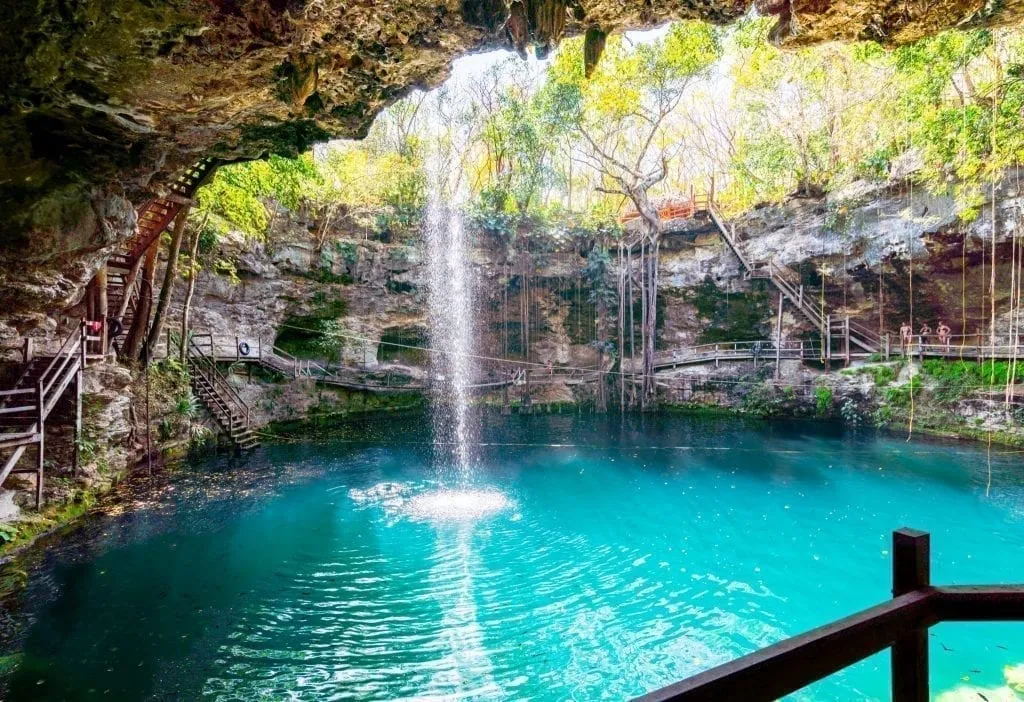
(621, 115)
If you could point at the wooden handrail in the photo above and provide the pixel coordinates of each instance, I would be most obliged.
(77, 334)
(208, 365)
(900, 624)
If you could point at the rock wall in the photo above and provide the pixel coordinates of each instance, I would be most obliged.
(106, 100)
(856, 251)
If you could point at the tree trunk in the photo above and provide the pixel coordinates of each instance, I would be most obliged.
(102, 311)
(140, 324)
(186, 306)
(650, 321)
(622, 325)
(651, 223)
(643, 325)
(168, 287)
(632, 327)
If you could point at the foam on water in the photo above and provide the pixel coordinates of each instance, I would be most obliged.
(442, 504)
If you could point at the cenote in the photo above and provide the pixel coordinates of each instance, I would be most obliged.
(601, 557)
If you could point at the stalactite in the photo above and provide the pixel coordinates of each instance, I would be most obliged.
(593, 47)
(547, 23)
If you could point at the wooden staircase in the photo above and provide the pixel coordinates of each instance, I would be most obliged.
(215, 391)
(154, 217)
(28, 402)
(843, 331)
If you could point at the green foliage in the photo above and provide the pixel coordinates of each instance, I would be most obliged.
(823, 400)
(87, 448)
(238, 194)
(955, 379)
(8, 532)
(316, 336)
(763, 401)
(881, 375)
(553, 155)
(898, 396)
(850, 413)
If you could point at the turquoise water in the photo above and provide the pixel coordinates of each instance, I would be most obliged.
(632, 553)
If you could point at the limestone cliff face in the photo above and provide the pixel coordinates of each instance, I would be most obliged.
(858, 252)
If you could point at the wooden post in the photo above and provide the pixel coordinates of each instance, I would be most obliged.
(846, 338)
(828, 338)
(41, 423)
(887, 347)
(778, 339)
(78, 421)
(911, 570)
(102, 311)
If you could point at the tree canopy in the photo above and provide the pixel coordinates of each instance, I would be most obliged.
(689, 106)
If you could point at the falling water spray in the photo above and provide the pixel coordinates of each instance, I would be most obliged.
(451, 329)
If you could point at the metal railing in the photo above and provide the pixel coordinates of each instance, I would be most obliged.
(900, 624)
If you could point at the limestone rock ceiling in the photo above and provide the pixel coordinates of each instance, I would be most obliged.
(109, 94)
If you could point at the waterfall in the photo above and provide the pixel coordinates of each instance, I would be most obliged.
(451, 332)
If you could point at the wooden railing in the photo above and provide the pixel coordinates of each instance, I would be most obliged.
(676, 210)
(738, 350)
(45, 392)
(226, 395)
(900, 624)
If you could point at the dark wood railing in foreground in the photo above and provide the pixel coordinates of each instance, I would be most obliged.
(900, 624)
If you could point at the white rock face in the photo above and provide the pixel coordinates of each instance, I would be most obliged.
(9, 510)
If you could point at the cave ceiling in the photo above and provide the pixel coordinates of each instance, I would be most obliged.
(121, 94)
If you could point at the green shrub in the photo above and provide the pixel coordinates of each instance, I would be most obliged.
(882, 375)
(823, 400)
(899, 395)
(8, 532)
(954, 379)
(761, 401)
(882, 415)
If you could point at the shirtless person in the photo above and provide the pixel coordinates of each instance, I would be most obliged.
(926, 331)
(905, 332)
(943, 331)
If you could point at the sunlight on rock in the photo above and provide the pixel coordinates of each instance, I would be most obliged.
(966, 693)
(1014, 675)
